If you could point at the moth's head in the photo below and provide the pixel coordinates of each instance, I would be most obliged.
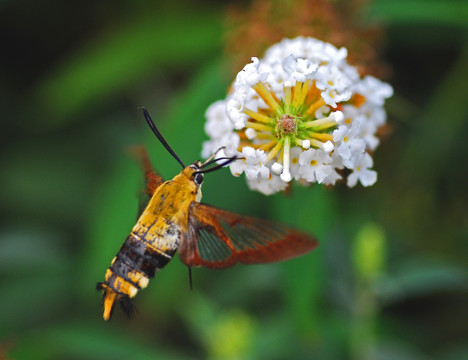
(194, 172)
(197, 175)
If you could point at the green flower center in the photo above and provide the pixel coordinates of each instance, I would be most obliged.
(288, 121)
(286, 124)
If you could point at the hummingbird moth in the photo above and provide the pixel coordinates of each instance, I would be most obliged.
(173, 219)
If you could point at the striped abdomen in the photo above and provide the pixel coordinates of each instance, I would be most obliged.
(135, 263)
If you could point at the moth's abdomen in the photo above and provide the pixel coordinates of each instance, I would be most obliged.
(135, 263)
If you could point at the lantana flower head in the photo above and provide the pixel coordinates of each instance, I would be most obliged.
(301, 112)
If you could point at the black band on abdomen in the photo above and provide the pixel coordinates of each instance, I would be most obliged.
(137, 255)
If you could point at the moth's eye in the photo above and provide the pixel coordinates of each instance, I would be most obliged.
(198, 178)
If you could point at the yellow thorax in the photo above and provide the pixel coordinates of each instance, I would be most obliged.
(171, 201)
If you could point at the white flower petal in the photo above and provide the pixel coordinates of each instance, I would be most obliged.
(286, 176)
(250, 133)
(328, 146)
(276, 168)
(368, 177)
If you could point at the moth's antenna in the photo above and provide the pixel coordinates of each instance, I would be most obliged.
(163, 141)
(190, 277)
(219, 166)
(212, 161)
(212, 157)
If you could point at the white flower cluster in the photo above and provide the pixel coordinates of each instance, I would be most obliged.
(301, 112)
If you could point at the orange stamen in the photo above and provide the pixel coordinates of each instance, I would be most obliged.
(270, 99)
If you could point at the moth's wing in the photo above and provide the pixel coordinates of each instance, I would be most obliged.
(152, 179)
(217, 238)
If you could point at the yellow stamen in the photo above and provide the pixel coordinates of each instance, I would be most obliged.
(266, 147)
(267, 96)
(287, 95)
(322, 137)
(326, 125)
(274, 151)
(315, 106)
(299, 99)
(242, 135)
(260, 127)
(297, 92)
(321, 124)
(275, 97)
(280, 156)
(264, 136)
(259, 117)
(313, 94)
(316, 143)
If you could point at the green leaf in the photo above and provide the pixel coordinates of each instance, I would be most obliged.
(415, 12)
(33, 299)
(88, 341)
(30, 248)
(310, 209)
(145, 46)
(110, 221)
(182, 123)
(369, 252)
(421, 277)
(392, 349)
(437, 128)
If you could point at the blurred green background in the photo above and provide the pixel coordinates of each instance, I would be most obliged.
(389, 279)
